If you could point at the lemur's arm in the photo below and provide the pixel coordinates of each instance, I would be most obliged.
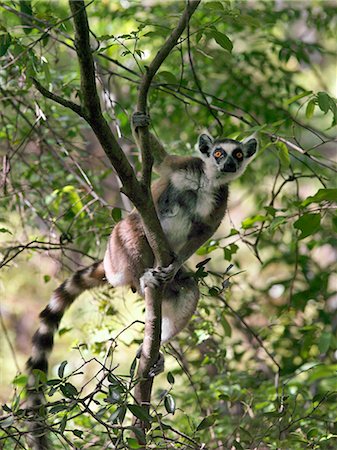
(157, 149)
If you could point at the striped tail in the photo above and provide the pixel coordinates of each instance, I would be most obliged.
(43, 339)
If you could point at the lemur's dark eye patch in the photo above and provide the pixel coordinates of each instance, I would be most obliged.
(238, 154)
(219, 152)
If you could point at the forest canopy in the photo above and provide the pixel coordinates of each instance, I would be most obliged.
(256, 367)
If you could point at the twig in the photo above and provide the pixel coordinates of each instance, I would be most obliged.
(7, 338)
(251, 331)
(56, 98)
(146, 81)
(196, 79)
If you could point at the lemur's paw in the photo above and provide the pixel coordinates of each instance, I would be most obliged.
(158, 367)
(160, 275)
(140, 119)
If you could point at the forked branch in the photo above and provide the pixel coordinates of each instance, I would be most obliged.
(138, 192)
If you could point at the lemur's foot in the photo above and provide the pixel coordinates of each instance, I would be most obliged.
(158, 367)
(140, 119)
(158, 276)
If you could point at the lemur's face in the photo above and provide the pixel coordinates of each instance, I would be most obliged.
(227, 156)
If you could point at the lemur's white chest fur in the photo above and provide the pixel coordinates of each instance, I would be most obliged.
(193, 199)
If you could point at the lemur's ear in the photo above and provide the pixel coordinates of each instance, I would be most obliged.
(205, 143)
(250, 146)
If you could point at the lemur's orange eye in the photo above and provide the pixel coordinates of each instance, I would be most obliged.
(217, 154)
(239, 155)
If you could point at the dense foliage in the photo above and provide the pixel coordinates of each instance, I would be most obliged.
(257, 366)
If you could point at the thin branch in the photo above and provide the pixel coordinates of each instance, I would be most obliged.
(301, 150)
(146, 81)
(7, 338)
(91, 103)
(251, 331)
(61, 101)
(196, 79)
(171, 41)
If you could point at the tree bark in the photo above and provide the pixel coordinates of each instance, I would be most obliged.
(139, 192)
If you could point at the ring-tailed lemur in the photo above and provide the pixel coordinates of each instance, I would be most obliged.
(191, 200)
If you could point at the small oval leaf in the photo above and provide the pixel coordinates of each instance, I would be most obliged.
(170, 404)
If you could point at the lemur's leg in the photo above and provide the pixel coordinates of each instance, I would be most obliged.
(180, 298)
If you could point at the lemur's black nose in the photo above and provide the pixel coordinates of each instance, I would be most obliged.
(229, 166)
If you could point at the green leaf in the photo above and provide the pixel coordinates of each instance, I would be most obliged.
(170, 378)
(132, 442)
(20, 380)
(26, 8)
(75, 200)
(251, 221)
(309, 112)
(277, 222)
(114, 396)
(58, 408)
(249, 20)
(78, 433)
(140, 412)
(63, 423)
(64, 330)
(116, 214)
(5, 230)
(225, 325)
(69, 390)
(203, 263)
(218, 6)
(308, 224)
(206, 422)
(323, 101)
(297, 97)
(133, 367)
(170, 404)
(222, 40)
(214, 291)
(46, 278)
(324, 342)
(237, 445)
(61, 368)
(167, 77)
(119, 415)
(5, 42)
(334, 223)
(229, 251)
(283, 154)
(40, 377)
(5, 423)
(321, 195)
